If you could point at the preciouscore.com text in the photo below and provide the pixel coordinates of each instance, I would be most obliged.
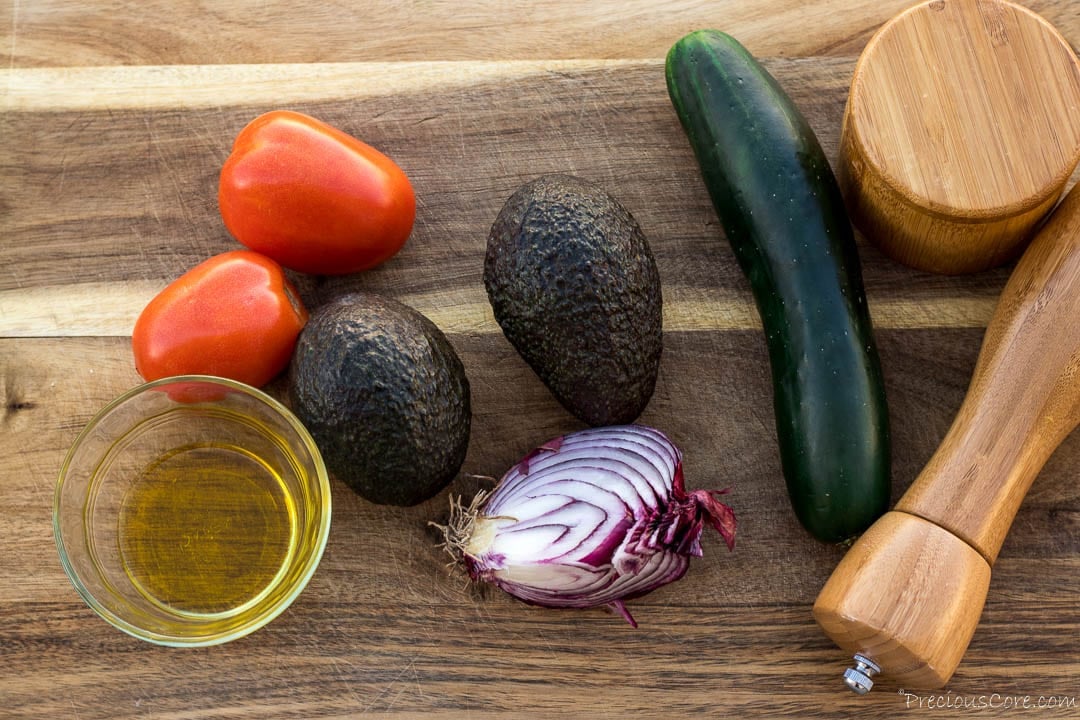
(995, 701)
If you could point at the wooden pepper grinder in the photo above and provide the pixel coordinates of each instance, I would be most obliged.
(907, 596)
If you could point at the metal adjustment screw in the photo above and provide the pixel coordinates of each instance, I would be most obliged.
(858, 677)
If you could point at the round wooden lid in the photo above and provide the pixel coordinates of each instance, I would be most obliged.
(969, 109)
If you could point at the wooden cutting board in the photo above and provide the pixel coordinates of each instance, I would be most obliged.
(115, 121)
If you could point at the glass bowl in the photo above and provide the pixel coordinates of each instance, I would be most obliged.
(191, 511)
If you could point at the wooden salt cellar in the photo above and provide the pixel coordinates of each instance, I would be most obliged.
(961, 131)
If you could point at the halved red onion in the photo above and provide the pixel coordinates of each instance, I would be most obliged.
(591, 518)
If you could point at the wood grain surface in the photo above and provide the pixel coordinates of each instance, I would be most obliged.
(116, 118)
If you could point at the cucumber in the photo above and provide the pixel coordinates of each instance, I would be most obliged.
(782, 212)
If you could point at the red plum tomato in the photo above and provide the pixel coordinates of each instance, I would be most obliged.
(234, 315)
(312, 197)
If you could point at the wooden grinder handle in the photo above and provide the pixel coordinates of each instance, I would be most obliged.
(909, 593)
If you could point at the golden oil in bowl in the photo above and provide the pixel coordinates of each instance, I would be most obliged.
(220, 556)
(192, 511)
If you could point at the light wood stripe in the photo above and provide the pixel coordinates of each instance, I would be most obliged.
(208, 86)
(41, 33)
(110, 309)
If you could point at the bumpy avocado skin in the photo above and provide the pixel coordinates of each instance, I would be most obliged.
(575, 288)
(384, 396)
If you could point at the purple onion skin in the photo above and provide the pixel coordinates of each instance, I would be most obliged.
(589, 519)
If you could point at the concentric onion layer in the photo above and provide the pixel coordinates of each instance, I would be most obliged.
(592, 518)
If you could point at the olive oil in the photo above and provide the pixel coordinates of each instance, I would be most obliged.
(206, 528)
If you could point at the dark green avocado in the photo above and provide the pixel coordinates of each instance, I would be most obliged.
(575, 288)
(384, 396)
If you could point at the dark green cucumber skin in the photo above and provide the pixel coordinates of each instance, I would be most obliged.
(781, 209)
